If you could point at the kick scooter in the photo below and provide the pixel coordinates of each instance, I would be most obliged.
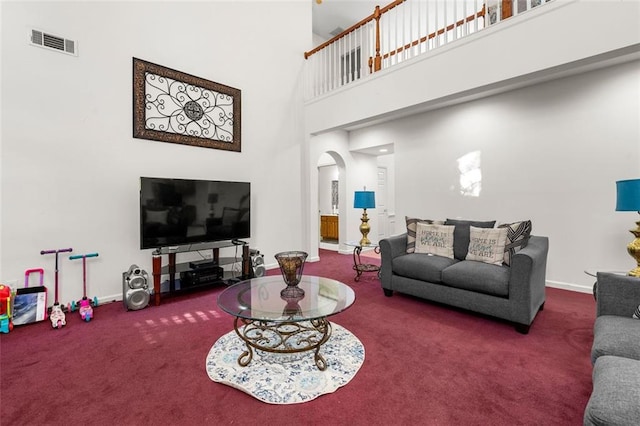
(56, 312)
(85, 309)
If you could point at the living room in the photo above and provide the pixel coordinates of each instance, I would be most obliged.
(72, 179)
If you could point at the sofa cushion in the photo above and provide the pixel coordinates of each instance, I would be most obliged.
(461, 234)
(616, 394)
(518, 234)
(434, 239)
(615, 335)
(487, 245)
(412, 223)
(479, 277)
(424, 267)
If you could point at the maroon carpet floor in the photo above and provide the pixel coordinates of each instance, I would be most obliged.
(425, 364)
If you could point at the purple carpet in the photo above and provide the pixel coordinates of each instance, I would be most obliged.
(426, 364)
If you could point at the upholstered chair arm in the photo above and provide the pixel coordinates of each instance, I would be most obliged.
(617, 294)
(528, 279)
(390, 248)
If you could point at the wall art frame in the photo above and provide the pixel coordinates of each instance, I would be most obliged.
(172, 106)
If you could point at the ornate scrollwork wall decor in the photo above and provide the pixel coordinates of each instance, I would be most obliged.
(171, 106)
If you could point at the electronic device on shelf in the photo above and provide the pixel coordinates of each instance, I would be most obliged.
(178, 212)
(202, 264)
(202, 276)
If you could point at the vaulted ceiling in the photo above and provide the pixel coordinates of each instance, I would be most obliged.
(330, 16)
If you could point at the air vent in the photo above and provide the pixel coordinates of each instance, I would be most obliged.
(53, 42)
(337, 31)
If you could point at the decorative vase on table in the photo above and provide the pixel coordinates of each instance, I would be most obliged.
(291, 265)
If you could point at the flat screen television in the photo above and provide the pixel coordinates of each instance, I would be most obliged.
(177, 212)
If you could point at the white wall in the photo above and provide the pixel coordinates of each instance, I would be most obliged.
(70, 167)
(550, 153)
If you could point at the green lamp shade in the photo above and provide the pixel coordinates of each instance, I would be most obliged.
(364, 200)
(628, 198)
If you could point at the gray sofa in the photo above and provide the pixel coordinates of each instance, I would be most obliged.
(615, 354)
(515, 293)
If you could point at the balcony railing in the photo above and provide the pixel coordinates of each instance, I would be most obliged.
(398, 32)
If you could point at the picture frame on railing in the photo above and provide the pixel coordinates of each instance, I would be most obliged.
(172, 106)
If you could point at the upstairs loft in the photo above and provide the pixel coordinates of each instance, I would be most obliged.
(412, 56)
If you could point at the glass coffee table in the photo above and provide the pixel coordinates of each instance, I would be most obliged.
(267, 321)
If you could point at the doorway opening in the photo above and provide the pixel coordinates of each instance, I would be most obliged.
(330, 202)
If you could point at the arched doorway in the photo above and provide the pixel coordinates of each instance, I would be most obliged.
(331, 199)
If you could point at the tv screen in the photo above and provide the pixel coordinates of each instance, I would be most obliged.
(176, 212)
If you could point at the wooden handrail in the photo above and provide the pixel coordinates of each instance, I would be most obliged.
(355, 27)
(441, 31)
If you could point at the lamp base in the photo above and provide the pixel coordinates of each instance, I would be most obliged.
(634, 250)
(364, 229)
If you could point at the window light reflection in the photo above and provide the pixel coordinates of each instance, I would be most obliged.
(470, 174)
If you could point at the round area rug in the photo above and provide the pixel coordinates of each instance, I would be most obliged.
(286, 378)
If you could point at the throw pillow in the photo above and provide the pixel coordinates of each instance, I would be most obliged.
(434, 239)
(487, 245)
(411, 230)
(461, 235)
(636, 313)
(518, 234)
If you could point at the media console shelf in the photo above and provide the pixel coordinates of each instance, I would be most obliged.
(172, 268)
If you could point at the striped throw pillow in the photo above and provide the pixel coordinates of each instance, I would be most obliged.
(518, 234)
(636, 314)
(412, 224)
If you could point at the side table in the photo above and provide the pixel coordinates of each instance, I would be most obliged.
(358, 265)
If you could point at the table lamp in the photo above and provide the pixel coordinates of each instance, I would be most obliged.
(628, 200)
(364, 200)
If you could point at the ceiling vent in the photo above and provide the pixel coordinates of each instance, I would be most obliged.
(337, 31)
(53, 42)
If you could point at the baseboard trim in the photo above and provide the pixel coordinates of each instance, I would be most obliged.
(570, 287)
(329, 246)
(109, 299)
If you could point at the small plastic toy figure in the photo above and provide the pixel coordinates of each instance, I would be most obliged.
(57, 317)
(5, 309)
(86, 311)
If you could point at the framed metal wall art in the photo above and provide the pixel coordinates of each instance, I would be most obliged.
(171, 106)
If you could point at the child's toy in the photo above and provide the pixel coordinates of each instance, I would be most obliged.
(56, 312)
(57, 316)
(30, 303)
(5, 309)
(86, 311)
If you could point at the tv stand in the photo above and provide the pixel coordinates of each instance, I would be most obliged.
(172, 268)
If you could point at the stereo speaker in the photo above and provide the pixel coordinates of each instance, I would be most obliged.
(135, 288)
(257, 264)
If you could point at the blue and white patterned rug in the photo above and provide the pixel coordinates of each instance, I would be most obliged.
(284, 378)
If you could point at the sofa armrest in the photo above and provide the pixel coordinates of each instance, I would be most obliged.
(528, 277)
(390, 248)
(617, 294)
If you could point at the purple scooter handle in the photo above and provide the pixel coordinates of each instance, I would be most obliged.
(56, 302)
(55, 251)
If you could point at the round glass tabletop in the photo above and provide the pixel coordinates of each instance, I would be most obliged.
(260, 299)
